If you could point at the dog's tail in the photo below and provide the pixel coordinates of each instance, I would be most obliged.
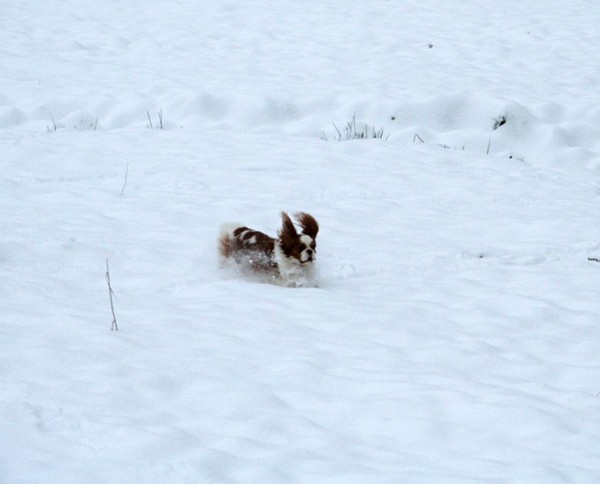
(226, 240)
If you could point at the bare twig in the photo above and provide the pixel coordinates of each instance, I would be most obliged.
(159, 115)
(160, 119)
(113, 326)
(489, 144)
(54, 127)
(593, 259)
(417, 137)
(338, 132)
(149, 120)
(125, 182)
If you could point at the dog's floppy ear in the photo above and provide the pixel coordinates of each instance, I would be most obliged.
(287, 229)
(308, 223)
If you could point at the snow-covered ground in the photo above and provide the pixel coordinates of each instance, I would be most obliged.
(454, 335)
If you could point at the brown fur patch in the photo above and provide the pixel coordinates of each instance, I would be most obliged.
(225, 248)
(308, 223)
(250, 248)
(289, 240)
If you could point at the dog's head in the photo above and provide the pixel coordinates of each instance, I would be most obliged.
(301, 247)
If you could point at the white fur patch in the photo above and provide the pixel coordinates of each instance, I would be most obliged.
(292, 272)
(307, 240)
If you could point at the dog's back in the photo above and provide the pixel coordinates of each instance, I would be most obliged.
(248, 247)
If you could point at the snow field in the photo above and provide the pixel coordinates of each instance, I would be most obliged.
(453, 335)
(444, 336)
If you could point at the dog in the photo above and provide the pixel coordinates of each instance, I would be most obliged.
(288, 260)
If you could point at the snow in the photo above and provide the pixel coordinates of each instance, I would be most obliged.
(453, 336)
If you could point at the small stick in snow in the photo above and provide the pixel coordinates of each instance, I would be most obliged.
(149, 120)
(338, 132)
(593, 259)
(54, 128)
(125, 182)
(160, 119)
(113, 326)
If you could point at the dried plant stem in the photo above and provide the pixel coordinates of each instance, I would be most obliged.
(149, 120)
(113, 326)
(125, 182)
(160, 119)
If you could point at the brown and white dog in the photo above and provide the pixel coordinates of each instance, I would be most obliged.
(288, 259)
